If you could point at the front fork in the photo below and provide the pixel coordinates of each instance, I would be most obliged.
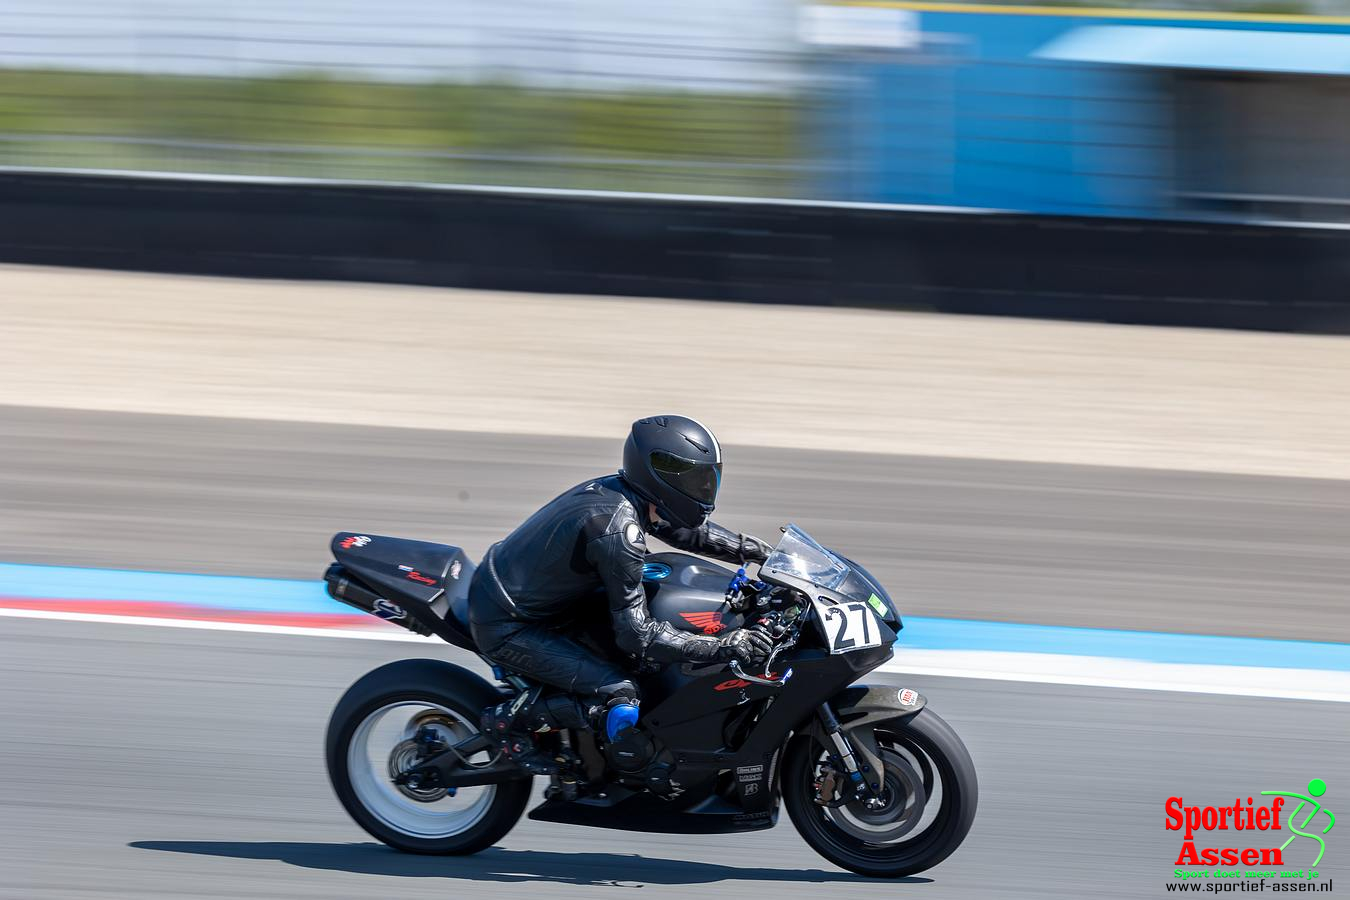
(864, 776)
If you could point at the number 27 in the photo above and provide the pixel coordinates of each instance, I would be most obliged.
(855, 612)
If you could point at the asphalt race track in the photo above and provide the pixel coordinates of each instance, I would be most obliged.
(143, 762)
(1136, 549)
(162, 762)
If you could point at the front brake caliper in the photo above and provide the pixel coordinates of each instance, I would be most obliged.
(827, 786)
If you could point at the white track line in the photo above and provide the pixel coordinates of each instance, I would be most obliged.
(1114, 672)
(1037, 668)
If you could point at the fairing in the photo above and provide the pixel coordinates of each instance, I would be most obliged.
(427, 581)
(689, 593)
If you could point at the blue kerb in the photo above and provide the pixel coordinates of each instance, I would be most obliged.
(920, 633)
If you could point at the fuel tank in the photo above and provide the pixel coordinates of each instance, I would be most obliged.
(689, 593)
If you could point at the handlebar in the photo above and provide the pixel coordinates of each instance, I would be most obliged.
(736, 588)
(783, 627)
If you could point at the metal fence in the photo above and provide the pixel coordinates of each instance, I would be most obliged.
(581, 94)
(1031, 109)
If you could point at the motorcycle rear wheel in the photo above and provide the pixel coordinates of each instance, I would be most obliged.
(931, 794)
(369, 735)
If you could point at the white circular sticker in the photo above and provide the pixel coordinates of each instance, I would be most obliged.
(633, 534)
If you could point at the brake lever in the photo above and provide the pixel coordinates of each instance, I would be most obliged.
(779, 648)
(735, 666)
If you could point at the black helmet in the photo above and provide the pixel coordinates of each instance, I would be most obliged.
(675, 463)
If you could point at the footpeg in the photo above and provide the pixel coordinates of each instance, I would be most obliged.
(563, 788)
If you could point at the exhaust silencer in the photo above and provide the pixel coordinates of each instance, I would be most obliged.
(341, 586)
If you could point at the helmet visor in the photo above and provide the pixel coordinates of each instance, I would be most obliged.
(697, 480)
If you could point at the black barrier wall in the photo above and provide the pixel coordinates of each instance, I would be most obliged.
(1213, 274)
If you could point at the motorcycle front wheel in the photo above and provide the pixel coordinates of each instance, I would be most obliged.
(373, 737)
(925, 810)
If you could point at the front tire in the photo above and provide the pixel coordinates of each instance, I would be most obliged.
(369, 736)
(931, 783)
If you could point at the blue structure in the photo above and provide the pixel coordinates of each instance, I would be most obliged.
(1083, 112)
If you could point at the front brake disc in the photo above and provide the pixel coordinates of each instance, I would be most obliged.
(903, 801)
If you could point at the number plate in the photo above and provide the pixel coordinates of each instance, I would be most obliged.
(848, 626)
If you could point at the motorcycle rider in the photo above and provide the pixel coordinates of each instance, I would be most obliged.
(541, 577)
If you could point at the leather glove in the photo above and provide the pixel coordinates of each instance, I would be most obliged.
(753, 549)
(744, 645)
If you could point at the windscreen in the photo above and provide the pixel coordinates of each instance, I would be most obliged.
(798, 556)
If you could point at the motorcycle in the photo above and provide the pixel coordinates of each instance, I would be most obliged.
(872, 777)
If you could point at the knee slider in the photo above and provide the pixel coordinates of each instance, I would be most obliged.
(620, 715)
(621, 706)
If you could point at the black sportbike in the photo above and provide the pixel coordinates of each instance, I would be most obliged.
(872, 778)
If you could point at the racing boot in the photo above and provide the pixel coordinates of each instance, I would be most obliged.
(513, 725)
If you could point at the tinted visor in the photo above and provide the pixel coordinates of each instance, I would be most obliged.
(697, 480)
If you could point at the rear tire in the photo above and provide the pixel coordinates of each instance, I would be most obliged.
(917, 847)
(427, 690)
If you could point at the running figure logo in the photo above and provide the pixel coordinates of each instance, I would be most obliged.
(1316, 788)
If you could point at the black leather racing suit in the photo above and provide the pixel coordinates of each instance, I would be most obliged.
(593, 536)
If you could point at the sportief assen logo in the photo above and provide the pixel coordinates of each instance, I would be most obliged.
(1262, 826)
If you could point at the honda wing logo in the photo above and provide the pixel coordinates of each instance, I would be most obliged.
(707, 622)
